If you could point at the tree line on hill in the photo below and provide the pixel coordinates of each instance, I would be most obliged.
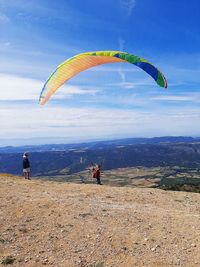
(110, 156)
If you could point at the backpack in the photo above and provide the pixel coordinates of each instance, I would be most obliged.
(94, 174)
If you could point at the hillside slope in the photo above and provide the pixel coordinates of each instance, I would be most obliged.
(70, 161)
(62, 224)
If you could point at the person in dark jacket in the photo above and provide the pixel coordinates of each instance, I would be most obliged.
(26, 166)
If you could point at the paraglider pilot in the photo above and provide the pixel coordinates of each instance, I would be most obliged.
(97, 174)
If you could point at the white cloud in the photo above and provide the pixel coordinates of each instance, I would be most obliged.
(19, 88)
(131, 85)
(92, 123)
(192, 97)
(104, 68)
(22, 120)
(4, 45)
(173, 98)
(59, 121)
(120, 70)
(182, 75)
(4, 18)
(128, 5)
(70, 90)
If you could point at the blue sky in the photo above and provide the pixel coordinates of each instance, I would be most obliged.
(108, 101)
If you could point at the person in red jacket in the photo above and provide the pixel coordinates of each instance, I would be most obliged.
(97, 174)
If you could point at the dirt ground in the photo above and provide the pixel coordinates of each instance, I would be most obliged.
(64, 224)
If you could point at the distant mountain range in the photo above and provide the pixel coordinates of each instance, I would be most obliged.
(72, 158)
(97, 144)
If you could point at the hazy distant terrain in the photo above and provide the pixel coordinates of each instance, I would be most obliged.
(96, 144)
(69, 159)
(127, 162)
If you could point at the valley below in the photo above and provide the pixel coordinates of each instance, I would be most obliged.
(167, 178)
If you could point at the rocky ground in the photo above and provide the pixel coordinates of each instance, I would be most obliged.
(65, 224)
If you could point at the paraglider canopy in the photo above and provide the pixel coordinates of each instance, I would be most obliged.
(81, 62)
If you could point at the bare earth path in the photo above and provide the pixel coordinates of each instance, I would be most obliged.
(62, 224)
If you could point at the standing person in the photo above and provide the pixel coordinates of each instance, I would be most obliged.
(98, 174)
(26, 166)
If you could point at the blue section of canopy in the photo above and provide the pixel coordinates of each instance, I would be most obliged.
(151, 70)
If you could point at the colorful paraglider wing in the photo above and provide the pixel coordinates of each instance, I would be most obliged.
(81, 62)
